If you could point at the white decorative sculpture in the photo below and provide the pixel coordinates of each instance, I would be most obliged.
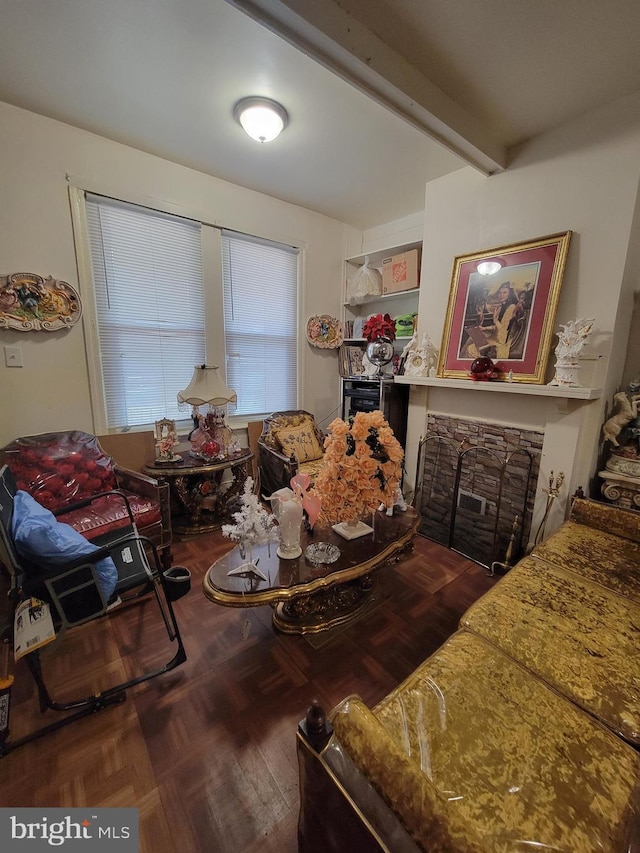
(253, 526)
(287, 509)
(398, 501)
(625, 409)
(571, 339)
(288, 506)
(621, 474)
(420, 360)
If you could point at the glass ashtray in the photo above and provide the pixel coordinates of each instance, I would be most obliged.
(322, 553)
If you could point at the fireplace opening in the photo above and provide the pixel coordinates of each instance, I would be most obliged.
(475, 488)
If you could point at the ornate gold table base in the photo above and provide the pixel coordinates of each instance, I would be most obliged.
(319, 611)
(328, 608)
(202, 493)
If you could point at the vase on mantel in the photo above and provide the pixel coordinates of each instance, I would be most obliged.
(567, 375)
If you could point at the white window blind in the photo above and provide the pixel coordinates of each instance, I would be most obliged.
(261, 323)
(147, 271)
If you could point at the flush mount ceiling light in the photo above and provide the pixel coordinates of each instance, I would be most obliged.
(262, 118)
(490, 267)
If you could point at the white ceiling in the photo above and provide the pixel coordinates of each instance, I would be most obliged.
(163, 76)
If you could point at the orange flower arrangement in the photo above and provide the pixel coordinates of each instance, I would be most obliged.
(362, 468)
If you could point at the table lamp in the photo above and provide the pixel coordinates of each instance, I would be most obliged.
(210, 436)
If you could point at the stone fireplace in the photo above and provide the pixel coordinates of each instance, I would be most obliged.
(476, 486)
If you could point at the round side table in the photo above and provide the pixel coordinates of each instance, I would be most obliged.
(202, 493)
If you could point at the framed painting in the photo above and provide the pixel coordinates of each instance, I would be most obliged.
(502, 304)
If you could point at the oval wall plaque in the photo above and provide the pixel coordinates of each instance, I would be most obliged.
(30, 303)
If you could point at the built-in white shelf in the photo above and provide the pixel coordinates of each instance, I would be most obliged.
(375, 258)
(384, 296)
(557, 391)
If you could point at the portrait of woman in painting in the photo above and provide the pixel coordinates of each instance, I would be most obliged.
(496, 322)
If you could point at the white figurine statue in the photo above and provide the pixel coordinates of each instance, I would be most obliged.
(420, 360)
(571, 339)
(398, 501)
(625, 409)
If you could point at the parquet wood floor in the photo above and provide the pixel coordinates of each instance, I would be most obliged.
(207, 752)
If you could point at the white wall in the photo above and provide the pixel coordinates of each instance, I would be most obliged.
(584, 178)
(51, 391)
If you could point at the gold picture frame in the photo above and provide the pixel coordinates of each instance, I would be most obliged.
(507, 314)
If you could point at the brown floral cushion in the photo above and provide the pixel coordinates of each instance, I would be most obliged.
(300, 442)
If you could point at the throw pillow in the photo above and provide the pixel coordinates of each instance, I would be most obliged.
(300, 442)
(42, 539)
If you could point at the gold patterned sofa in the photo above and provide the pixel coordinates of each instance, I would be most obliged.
(520, 733)
(290, 442)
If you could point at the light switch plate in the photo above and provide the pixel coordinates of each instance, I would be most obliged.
(13, 356)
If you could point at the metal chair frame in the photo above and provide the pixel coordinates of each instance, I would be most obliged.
(131, 554)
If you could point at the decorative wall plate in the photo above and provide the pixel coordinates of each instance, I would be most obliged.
(30, 303)
(324, 331)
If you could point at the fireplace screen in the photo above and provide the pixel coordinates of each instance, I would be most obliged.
(475, 500)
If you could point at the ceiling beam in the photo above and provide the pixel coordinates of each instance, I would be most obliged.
(335, 39)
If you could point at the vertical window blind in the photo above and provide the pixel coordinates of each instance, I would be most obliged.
(147, 272)
(261, 323)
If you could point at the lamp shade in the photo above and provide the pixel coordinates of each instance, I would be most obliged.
(207, 388)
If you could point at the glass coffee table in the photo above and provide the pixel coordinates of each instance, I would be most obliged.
(308, 598)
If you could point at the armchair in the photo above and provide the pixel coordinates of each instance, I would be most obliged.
(61, 468)
(53, 568)
(290, 442)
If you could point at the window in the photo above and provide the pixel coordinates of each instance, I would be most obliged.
(147, 273)
(156, 320)
(261, 323)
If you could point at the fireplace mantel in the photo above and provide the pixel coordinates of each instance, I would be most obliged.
(559, 392)
(565, 415)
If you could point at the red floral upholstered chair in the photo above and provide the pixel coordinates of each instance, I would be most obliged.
(60, 469)
(290, 442)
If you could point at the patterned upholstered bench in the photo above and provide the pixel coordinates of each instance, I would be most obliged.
(576, 635)
(521, 732)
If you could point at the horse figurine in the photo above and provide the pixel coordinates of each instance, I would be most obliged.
(625, 409)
